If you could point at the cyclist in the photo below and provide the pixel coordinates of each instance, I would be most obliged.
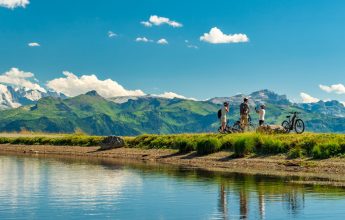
(261, 113)
(224, 111)
(244, 112)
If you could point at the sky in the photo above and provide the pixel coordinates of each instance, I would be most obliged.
(196, 49)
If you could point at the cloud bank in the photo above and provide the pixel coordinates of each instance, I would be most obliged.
(72, 85)
(306, 98)
(336, 88)
(14, 3)
(216, 36)
(157, 21)
(20, 79)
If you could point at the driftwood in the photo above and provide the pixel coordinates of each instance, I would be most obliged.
(112, 142)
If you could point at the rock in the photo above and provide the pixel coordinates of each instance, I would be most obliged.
(271, 129)
(112, 142)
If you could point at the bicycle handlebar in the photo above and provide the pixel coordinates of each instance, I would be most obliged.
(295, 113)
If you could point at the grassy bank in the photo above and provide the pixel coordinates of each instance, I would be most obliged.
(318, 146)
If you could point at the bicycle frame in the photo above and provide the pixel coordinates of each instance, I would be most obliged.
(292, 120)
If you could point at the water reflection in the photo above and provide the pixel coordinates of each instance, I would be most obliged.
(122, 189)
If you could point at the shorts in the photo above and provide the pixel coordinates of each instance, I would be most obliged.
(223, 120)
(244, 121)
(261, 122)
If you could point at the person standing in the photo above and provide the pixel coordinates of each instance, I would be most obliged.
(262, 113)
(223, 118)
(244, 112)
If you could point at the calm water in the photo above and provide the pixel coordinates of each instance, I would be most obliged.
(56, 188)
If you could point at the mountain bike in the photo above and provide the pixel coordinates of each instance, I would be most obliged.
(228, 129)
(293, 122)
(238, 128)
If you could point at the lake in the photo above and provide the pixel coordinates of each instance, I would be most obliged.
(77, 188)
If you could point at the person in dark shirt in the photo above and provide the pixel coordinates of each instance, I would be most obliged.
(244, 112)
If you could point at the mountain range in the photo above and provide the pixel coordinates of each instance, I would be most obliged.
(13, 97)
(132, 115)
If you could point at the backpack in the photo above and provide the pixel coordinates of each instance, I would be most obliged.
(219, 113)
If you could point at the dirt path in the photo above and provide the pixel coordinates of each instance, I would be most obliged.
(331, 169)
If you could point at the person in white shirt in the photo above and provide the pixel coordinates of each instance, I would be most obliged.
(262, 113)
(224, 112)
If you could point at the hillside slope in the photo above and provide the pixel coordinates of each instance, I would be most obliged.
(96, 115)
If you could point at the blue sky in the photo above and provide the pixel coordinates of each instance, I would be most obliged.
(293, 47)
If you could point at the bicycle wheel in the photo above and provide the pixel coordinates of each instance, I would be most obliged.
(299, 126)
(286, 126)
(237, 127)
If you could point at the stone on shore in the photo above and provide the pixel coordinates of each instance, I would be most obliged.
(112, 142)
(271, 129)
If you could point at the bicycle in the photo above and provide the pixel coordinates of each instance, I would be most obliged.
(238, 128)
(227, 130)
(294, 123)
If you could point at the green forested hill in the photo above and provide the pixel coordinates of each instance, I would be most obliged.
(93, 114)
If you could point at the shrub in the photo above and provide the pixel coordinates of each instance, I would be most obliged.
(295, 153)
(244, 146)
(272, 146)
(208, 146)
(326, 150)
(185, 146)
(308, 146)
(227, 144)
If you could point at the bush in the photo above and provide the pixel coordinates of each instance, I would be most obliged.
(244, 146)
(272, 146)
(326, 150)
(295, 153)
(227, 144)
(208, 146)
(185, 146)
(308, 146)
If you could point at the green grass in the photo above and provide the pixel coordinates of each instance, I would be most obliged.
(318, 146)
(310, 145)
(59, 140)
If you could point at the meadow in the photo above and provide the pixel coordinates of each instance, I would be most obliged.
(308, 145)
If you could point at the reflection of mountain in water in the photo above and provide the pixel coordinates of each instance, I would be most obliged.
(106, 187)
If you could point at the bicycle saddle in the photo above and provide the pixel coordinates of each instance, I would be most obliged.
(289, 116)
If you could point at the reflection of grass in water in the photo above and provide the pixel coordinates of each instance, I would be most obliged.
(294, 146)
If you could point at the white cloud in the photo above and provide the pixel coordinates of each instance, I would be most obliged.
(146, 23)
(13, 3)
(72, 85)
(18, 78)
(156, 20)
(34, 44)
(171, 95)
(192, 46)
(111, 34)
(142, 39)
(189, 45)
(216, 36)
(306, 98)
(336, 88)
(162, 41)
